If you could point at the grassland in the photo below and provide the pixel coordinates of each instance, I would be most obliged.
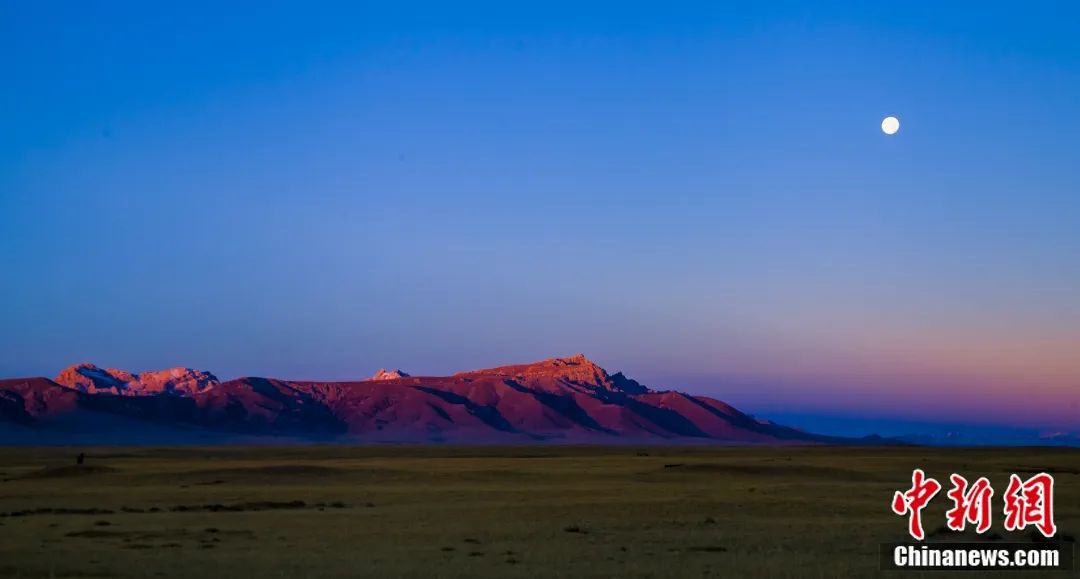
(386, 511)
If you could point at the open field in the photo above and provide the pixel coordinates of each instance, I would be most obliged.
(333, 511)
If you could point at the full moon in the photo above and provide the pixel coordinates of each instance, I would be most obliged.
(889, 125)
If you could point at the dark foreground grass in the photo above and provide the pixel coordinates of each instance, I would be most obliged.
(386, 511)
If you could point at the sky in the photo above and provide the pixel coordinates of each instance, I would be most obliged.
(695, 193)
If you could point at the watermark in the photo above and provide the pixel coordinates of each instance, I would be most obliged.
(1027, 502)
(976, 556)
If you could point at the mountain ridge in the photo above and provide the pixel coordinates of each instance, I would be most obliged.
(565, 399)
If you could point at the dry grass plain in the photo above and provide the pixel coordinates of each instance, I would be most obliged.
(444, 511)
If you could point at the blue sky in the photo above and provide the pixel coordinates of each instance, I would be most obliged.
(695, 193)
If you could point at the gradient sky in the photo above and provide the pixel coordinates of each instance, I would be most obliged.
(698, 194)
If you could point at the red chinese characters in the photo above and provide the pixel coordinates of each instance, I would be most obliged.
(969, 505)
(1030, 502)
(1027, 502)
(913, 501)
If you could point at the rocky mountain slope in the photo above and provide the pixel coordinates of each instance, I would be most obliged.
(557, 400)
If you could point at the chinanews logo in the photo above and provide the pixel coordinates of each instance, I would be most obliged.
(1025, 503)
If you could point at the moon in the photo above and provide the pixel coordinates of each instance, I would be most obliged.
(889, 125)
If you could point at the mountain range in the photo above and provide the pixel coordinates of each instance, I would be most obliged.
(567, 400)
